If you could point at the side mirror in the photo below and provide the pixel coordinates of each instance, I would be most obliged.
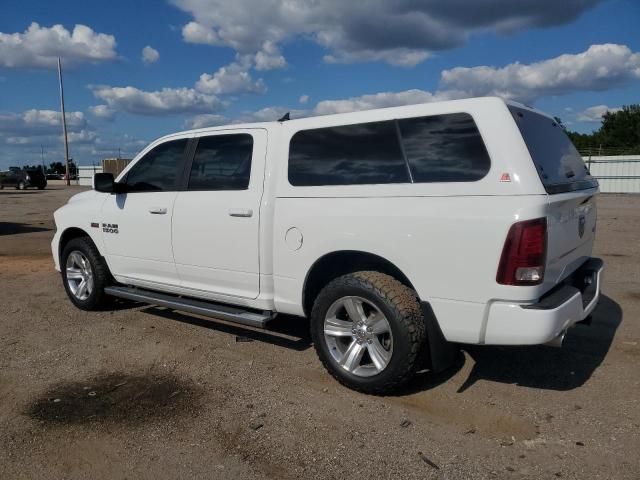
(103, 182)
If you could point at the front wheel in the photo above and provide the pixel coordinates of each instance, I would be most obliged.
(84, 273)
(21, 186)
(368, 331)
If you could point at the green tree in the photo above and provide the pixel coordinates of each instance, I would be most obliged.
(622, 128)
(59, 168)
(618, 134)
(32, 167)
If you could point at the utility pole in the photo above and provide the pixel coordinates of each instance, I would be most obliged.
(64, 125)
(44, 170)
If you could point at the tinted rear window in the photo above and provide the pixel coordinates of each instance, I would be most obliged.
(367, 153)
(559, 165)
(437, 148)
(444, 148)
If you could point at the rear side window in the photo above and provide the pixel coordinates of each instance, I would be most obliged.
(222, 162)
(444, 148)
(367, 153)
(559, 165)
(437, 148)
(157, 171)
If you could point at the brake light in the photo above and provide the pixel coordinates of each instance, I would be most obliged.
(523, 256)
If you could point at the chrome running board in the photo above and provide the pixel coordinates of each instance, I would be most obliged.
(208, 309)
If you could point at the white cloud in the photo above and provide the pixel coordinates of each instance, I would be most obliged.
(232, 78)
(600, 67)
(40, 47)
(150, 55)
(83, 136)
(24, 133)
(104, 112)
(400, 32)
(17, 140)
(161, 102)
(595, 113)
(376, 100)
(400, 57)
(268, 114)
(193, 32)
(40, 122)
(113, 145)
(269, 57)
(206, 120)
(327, 107)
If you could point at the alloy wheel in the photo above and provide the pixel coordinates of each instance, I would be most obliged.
(79, 275)
(358, 336)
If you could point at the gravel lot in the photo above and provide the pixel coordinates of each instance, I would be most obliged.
(143, 392)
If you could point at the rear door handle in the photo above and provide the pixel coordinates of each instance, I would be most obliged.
(240, 212)
(157, 210)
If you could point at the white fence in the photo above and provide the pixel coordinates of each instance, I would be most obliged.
(85, 175)
(616, 174)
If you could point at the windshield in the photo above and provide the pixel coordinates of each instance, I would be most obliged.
(559, 165)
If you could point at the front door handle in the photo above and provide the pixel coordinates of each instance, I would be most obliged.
(240, 212)
(157, 210)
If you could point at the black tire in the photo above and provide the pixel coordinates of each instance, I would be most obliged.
(401, 308)
(101, 276)
(40, 188)
(21, 185)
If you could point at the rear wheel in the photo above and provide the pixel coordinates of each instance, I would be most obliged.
(84, 273)
(368, 331)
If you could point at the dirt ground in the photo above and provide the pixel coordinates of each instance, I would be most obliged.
(143, 392)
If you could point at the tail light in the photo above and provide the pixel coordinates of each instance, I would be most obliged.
(524, 253)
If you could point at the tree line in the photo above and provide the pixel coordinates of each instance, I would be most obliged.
(619, 134)
(57, 168)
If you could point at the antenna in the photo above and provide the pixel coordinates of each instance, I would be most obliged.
(285, 117)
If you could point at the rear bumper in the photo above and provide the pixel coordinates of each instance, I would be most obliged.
(543, 321)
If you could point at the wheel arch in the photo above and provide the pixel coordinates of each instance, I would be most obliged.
(69, 234)
(341, 262)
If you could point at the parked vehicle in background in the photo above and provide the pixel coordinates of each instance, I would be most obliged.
(398, 231)
(22, 179)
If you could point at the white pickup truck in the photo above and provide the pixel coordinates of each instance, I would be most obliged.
(397, 231)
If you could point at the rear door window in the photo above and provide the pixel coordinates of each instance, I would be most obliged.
(222, 162)
(559, 165)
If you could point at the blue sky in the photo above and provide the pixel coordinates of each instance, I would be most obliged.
(212, 61)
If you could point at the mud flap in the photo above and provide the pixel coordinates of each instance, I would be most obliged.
(441, 353)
